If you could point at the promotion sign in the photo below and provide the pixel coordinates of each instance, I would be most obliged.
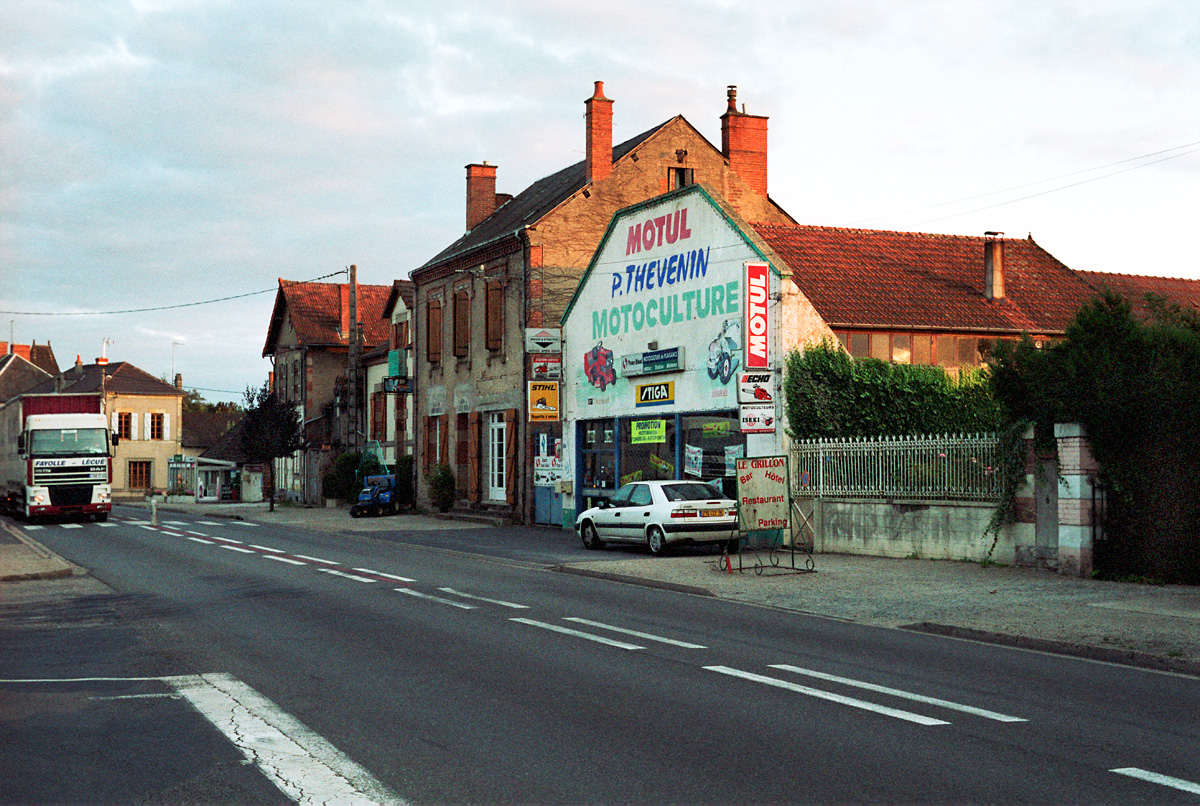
(758, 284)
(764, 495)
(543, 401)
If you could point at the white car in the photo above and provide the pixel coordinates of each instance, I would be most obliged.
(659, 513)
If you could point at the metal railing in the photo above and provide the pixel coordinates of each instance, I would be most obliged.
(955, 467)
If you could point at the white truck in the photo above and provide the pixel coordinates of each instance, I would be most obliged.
(55, 456)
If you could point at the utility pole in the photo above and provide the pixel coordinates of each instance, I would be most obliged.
(354, 364)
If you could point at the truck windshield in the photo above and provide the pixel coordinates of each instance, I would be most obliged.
(69, 442)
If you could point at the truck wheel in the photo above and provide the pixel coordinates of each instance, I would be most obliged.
(101, 517)
(355, 512)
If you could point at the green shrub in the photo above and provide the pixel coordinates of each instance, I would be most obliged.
(405, 495)
(341, 480)
(441, 488)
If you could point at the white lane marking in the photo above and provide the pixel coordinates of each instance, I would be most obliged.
(895, 692)
(826, 695)
(385, 576)
(139, 697)
(33, 527)
(484, 599)
(1158, 778)
(229, 540)
(433, 598)
(201, 540)
(267, 548)
(194, 532)
(72, 525)
(635, 633)
(344, 575)
(287, 560)
(578, 634)
(147, 527)
(305, 766)
(210, 523)
(177, 523)
(316, 559)
(106, 525)
(237, 548)
(244, 523)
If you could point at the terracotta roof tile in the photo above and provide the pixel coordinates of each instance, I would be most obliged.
(116, 377)
(1136, 287)
(315, 311)
(858, 277)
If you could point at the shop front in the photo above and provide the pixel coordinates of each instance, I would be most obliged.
(670, 340)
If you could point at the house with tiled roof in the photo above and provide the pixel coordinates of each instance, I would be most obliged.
(40, 355)
(510, 276)
(389, 379)
(673, 353)
(144, 411)
(18, 374)
(309, 341)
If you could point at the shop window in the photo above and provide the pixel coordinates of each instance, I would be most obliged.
(647, 449)
(711, 445)
(599, 459)
(902, 348)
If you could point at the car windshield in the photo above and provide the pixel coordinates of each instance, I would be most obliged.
(691, 492)
(68, 442)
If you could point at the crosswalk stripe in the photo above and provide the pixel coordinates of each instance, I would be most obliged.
(287, 560)
(385, 576)
(577, 633)
(647, 636)
(894, 692)
(344, 575)
(827, 695)
(236, 548)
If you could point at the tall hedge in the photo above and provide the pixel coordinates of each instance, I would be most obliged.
(829, 394)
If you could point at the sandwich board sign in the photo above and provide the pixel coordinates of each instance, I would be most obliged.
(764, 494)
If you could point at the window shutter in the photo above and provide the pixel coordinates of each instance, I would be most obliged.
(444, 438)
(474, 469)
(495, 315)
(167, 426)
(116, 423)
(433, 340)
(510, 456)
(462, 324)
(133, 418)
(430, 436)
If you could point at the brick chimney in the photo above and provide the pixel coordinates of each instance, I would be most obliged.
(344, 314)
(598, 162)
(481, 192)
(993, 266)
(744, 144)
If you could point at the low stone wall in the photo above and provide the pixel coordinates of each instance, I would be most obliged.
(936, 530)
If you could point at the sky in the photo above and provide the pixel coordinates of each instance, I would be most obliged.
(165, 153)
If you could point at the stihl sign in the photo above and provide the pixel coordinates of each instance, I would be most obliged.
(758, 283)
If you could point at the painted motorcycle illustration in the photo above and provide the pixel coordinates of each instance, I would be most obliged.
(598, 366)
(723, 351)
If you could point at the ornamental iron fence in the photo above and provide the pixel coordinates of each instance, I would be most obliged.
(947, 467)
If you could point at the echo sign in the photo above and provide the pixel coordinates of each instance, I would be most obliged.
(757, 285)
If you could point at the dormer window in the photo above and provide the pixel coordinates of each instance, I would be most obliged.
(680, 177)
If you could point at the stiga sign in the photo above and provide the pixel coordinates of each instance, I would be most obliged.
(758, 284)
(656, 394)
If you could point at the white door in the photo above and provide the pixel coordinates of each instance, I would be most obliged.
(496, 480)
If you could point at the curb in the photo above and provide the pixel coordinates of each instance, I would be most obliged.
(64, 569)
(1122, 657)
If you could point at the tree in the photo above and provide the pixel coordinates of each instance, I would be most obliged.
(270, 431)
(1134, 385)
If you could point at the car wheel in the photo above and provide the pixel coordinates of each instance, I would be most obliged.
(656, 541)
(591, 540)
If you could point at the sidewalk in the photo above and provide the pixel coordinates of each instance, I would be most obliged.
(1145, 625)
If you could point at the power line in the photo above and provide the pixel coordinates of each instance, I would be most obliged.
(1191, 146)
(164, 307)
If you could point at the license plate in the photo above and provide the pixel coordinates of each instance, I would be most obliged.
(712, 513)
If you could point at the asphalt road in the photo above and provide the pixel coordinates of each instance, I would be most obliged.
(226, 661)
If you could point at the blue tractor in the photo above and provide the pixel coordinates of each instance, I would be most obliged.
(378, 497)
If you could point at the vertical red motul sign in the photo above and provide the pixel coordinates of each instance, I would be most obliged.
(758, 283)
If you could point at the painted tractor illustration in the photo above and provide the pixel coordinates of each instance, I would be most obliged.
(723, 351)
(598, 366)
